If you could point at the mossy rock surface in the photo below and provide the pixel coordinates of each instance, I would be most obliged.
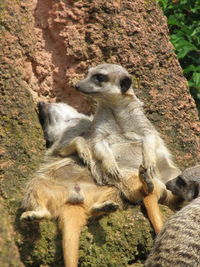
(123, 238)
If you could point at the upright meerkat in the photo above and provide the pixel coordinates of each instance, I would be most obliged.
(63, 188)
(178, 244)
(121, 137)
(120, 123)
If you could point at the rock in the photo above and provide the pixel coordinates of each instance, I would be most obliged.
(59, 41)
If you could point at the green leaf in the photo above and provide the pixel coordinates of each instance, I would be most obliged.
(191, 68)
(163, 3)
(173, 21)
(182, 46)
(196, 78)
(196, 31)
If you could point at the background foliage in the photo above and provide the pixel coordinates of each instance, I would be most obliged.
(184, 25)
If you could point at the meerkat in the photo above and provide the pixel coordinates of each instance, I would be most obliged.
(59, 120)
(63, 188)
(121, 137)
(187, 184)
(178, 244)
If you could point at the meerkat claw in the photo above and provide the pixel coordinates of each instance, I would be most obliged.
(146, 180)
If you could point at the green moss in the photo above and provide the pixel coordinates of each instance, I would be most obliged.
(120, 239)
(20, 132)
(116, 239)
(9, 256)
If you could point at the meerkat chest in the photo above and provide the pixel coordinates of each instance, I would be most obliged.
(107, 130)
(128, 155)
(114, 135)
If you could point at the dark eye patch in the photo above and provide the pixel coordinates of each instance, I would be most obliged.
(99, 77)
(125, 84)
(180, 182)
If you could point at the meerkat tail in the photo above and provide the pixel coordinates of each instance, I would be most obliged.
(153, 211)
(71, 220)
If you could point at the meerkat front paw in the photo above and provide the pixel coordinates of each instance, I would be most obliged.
(111, 170)
(61, 152)
(83, 151)
(86, 157)
(152, 171)
(151, 168)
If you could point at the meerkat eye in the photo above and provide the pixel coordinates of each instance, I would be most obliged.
(180, 182)
(100, 77)
(125, 84)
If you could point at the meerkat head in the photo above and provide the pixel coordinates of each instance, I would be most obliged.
(186, 187)
(55, 118)
(106, 80)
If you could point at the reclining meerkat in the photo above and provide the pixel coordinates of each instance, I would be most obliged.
(121, 137)
(63, 188)
(178, 244)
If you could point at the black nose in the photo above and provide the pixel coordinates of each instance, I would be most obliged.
(77, 87)
(42, 108)
(42, 112)
(41, 105)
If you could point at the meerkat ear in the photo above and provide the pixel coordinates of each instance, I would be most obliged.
(125, 84)
(196, 190)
